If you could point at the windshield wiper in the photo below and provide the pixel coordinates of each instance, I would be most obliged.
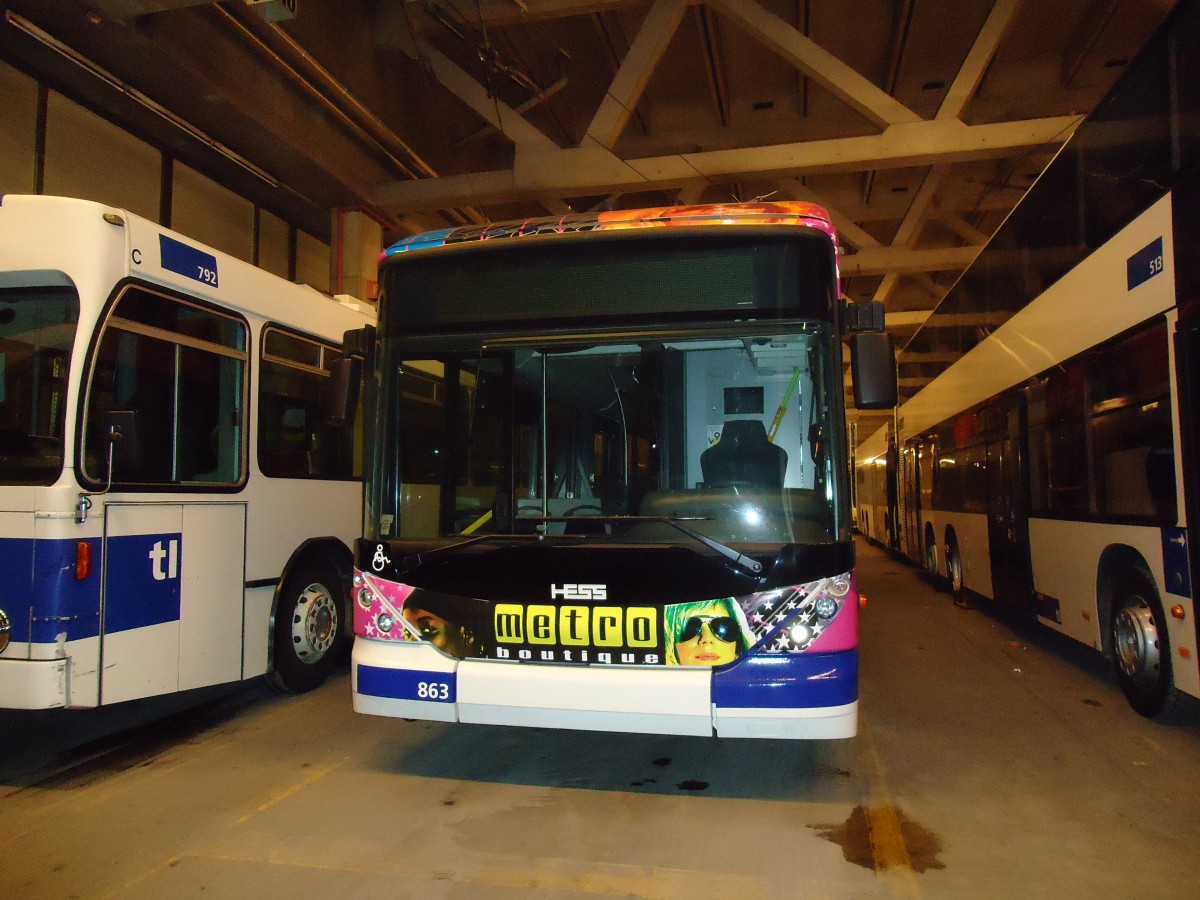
(413, 560)
(753, 566)
(743, 562)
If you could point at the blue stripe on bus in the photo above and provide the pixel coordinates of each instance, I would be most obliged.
(1176, 570)
(41, 593)
(787, 681)
(43, 599)
(407, 684)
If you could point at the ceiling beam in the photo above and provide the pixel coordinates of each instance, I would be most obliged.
(931, 287)
(930, 356)
(901, 320)
(816, 62)
(912, 223)
(595, 170)
(889, 209)
(959, 226)
(653, 38)
(496, 13)
(128, 9)
(901, 260)
(966, 82)
(946, 320)
(500, 116)
(971, 73)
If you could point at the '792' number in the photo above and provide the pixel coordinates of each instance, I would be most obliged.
(433, 690)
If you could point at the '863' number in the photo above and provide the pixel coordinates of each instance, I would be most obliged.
(433, 690)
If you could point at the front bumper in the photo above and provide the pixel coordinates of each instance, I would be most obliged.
(813, 696)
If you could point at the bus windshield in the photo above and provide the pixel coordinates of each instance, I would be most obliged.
(37, 329)
(729, 436)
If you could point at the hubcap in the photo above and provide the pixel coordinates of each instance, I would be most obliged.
(314, 625)
(1135, 636)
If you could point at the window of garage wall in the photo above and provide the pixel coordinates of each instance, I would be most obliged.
(312, 261)
(18, 125)
(208, 212)
(272, 244)
(91, 158)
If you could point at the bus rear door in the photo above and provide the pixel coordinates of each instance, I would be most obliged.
(1008, 524)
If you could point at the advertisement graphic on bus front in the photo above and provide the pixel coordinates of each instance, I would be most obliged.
(820, 616)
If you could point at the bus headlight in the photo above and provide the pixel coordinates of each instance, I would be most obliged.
(365, 597)
(385, 623)
(800, 634)
(5, 630)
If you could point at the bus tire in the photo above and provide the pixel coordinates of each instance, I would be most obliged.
(954, 572)
(931, 558)
(1141, 648)
(309, 631)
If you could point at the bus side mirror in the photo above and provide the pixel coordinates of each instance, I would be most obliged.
(341, 401)
(873, 370)
(346, 375)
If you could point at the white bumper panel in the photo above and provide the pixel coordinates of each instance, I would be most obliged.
(33, 683)
(824, 723)
(649, 701)
(423, 658)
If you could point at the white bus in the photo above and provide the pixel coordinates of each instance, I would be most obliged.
(175, 511)
(1052, 466)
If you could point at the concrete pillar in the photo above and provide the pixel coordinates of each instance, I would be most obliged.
(354, 256)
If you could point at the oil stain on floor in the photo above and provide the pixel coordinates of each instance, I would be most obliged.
(861, 846)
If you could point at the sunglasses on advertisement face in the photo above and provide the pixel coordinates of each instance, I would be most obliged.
(723, 628)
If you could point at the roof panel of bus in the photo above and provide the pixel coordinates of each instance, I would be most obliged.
(777, 213)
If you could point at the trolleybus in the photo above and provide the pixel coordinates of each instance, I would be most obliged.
(174, 509)
(609, 487)
(1052, 466)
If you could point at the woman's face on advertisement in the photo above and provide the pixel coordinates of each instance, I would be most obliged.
(709, 638)
(441, 633)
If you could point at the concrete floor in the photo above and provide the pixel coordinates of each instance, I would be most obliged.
(993, 760)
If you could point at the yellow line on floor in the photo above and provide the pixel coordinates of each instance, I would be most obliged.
(313, 777)
(888, 848)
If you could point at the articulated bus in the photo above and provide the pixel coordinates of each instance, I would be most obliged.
(609, 479)
(1052, 465)
(175, 510)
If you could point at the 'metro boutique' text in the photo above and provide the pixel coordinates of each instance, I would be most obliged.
(607, 635)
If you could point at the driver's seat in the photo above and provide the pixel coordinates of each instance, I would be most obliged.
(744, 456)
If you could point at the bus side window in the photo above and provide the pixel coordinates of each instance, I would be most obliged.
(294, 438)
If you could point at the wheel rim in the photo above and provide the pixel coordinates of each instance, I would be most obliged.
(314, 623)
(954, 564)
(931, 558)
(1135, 636)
